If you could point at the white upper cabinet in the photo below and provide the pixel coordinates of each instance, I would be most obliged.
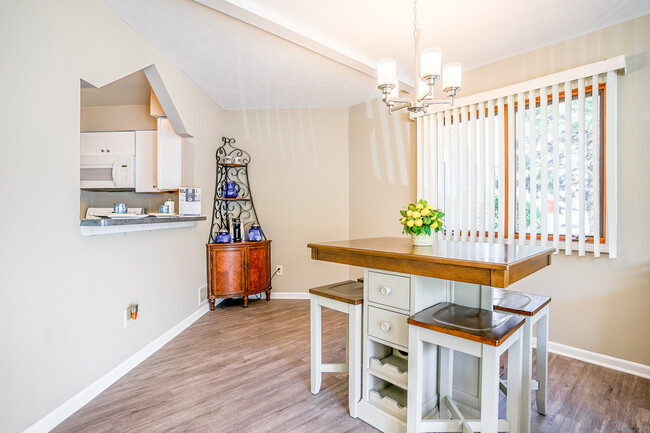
(169, 156)
(145, 161)
(102, 143)
(158, 159)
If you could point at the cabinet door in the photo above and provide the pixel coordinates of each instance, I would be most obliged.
(259, 268)
(121, 143)
(226, 271)
(93, 143)
(145, 161)
(169, 156)
(103, 143)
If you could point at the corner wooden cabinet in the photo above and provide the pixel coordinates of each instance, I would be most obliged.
(238, 270)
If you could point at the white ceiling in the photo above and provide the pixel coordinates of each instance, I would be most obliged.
(242, 64)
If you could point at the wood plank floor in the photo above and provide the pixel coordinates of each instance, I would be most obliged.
(247, 370)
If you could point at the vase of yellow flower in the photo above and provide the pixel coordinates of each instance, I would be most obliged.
(420, 220)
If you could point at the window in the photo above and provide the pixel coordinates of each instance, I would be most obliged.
(528, 164)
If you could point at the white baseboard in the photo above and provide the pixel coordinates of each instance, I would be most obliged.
(58, 415)
(618, 364)
(289, 295)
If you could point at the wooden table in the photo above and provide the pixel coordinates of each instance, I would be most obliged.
(401, 280)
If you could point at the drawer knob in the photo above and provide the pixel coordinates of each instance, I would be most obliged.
(385, 326)
(385, 290)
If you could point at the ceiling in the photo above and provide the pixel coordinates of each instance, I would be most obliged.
(263, 54)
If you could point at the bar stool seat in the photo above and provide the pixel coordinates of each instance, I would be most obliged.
(346, 297)
(534, 309)
(481, 333)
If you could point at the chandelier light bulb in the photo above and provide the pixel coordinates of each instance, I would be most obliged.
(451, 73)
(386, 71)
(431, 59)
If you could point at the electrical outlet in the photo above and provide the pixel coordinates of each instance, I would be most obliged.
(279, 270)
(127, 317)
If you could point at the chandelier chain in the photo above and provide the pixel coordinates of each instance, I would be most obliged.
(416, 31)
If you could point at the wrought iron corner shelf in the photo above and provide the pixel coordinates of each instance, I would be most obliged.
(227, 208)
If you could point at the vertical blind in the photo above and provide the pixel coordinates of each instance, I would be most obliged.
(526, 167)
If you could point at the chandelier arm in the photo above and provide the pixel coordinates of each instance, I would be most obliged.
(449, 101)
(400, 100)
(393, 108)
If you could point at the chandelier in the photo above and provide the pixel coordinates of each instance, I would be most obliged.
(429, 63)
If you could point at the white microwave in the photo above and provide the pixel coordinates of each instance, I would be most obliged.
(107, 171)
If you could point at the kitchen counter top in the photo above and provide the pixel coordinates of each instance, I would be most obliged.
(146, 220)
(119, 225)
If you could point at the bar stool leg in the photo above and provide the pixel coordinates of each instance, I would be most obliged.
(526, 374)
(514, 402)
(415, 387)
(354, 358)
(315, 322)
(542, 363)
(446, 379)
(489, 389)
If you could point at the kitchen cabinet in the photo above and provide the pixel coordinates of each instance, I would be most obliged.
(238, 270)
(102, 143)
(158, 159)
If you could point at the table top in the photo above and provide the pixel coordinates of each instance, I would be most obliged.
(496, 265)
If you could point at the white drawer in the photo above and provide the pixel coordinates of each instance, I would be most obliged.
(388, 326)
(390, 290)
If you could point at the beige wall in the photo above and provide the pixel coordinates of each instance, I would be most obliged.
(382, 170)
(63, 295)
(116, 118)
(600, 305)
(299, 180)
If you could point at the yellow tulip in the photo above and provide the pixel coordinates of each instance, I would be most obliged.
(410, 223)
(424, 212)
(418, 222)
(419, 206)
(434, 225)
(403, 220)
(430, 207)
(416, 215)
(409, 213)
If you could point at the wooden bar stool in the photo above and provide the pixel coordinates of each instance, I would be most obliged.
(534, 309)
(346, 297)
(477, 332)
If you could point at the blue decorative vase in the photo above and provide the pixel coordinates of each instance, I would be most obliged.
(223, 237)
(255, 233)
(230, 190)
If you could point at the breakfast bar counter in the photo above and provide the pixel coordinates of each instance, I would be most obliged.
(401, 280)
(495, 265)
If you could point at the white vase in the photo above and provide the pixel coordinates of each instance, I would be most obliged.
(422, 239)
